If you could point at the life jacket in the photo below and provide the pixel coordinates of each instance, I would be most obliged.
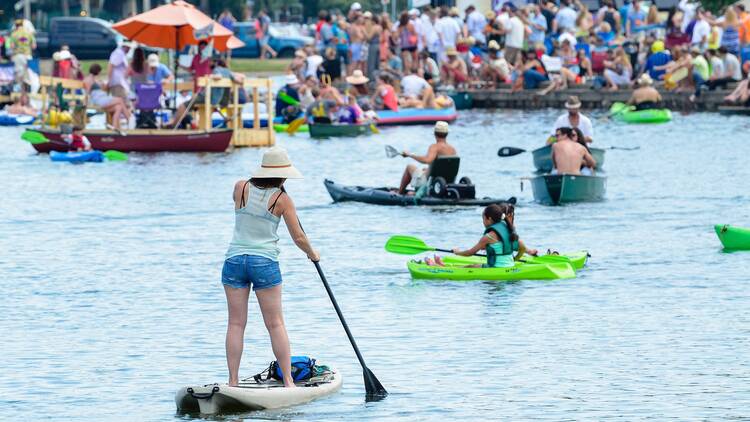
(503, 246)
(77, 143)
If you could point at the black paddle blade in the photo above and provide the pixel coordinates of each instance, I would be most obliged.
(373, 387)
(509, 151)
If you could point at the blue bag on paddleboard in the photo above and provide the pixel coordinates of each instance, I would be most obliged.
(303, 368)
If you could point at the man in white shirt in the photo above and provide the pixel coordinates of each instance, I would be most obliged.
(475, 23)
(431, 38)
(574, 119)
(701, 31)
(688, 11)
(418, 28)
(565, 18)
(416, 92)
(448, 31)
(730, 70)
(514, 36)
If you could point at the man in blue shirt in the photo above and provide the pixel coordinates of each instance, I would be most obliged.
(636, 18)
(538, 24)
(656, 62)
(157, 71)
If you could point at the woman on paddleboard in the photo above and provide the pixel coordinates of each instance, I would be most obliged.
(252, 258)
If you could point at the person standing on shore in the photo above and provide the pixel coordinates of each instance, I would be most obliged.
(252, 258)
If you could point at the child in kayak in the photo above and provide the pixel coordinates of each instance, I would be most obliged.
(77, 141)
(499, 240)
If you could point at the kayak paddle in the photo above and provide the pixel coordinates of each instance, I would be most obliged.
(391, 151)
(34, 137)
(283, 96)
(374, 128)
(509, 151)
(295, 125)
(374, 390)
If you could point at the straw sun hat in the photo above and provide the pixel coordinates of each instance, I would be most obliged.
(573, 103)
(276, 163)
(357, 78)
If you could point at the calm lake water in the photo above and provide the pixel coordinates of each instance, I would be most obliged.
(112, 295)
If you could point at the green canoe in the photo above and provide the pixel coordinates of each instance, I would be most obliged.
(577, 259)
(628, 114)
(281, 127)
(733, 238)
(543, 158)
(559, 189)
(521, 271)
(335, 130)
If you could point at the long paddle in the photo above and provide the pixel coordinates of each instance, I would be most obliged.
(391, 152)
(411, 245)
(295, 125)
(35, 138)
(373, 388)
(511, 151)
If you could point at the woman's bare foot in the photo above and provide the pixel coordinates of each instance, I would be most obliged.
(439, 261)
(233, 383)
(429, 262)
(288, 383)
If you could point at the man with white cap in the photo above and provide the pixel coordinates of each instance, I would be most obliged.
(287, 99)
(574, 119)
(417, 176)
(252, 259)
(158, 72)
(117, 71)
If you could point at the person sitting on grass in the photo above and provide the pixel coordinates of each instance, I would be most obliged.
(416, 176)
(499, 240)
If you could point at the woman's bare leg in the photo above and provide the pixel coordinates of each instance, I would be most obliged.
(237, 305)
(270, 306)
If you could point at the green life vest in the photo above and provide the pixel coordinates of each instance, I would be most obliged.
(503, 247)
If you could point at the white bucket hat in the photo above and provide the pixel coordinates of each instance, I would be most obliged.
(441, 127)
(291, 79)
(276, 163)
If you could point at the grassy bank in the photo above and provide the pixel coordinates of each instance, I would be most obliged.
(252, 66)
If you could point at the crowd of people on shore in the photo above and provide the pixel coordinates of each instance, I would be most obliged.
(544, 47)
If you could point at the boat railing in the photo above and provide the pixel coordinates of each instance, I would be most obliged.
(254, 136)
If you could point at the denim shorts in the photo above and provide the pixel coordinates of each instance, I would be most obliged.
(242, 271)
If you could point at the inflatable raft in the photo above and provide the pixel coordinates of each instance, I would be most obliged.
(254, 394)
(628, 114)
(15, 119)
(416, 116)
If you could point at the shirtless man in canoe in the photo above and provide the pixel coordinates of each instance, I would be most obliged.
(417, 176)
(568, 156)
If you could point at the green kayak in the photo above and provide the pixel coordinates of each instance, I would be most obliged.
(628, 114)
(281, 127)
(558, 189)
(733, 238)
(543, 158)
(336, 130)
(521, 271)
(577, 259)
(462, 100)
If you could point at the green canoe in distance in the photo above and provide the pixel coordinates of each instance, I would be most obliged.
(560, 189)
(520, 271)
(462, 100)
(733, 238)
(334, 131)
(543, 158)
(281, 127)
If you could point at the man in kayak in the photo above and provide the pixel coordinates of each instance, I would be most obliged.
(287, 99)
(569, 156)
(573, 118)
(645, 97)
(417, 176)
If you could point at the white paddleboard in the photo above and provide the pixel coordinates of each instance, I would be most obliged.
(251, 395)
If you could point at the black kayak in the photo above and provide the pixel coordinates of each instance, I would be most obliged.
(388, 196)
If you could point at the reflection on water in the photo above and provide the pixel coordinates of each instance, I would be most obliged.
(113, 299)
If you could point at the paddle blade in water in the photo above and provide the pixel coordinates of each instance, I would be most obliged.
(391, 151)
(373, 387)
(509, 151)
(406, 245)
(113, 155)
(295, 125)
(34, 137)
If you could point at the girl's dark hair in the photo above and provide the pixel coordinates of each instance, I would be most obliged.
(95, 69)
(496, 212)
(581, 138)
(139, 60)
(403, 20)
(267, 183)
